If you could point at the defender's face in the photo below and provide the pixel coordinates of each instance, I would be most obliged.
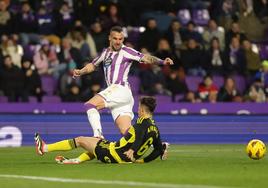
(116, 40)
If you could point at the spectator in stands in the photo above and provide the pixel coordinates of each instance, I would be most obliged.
(33, 85)
(261, 10)
(150, 37)
(45, 58)
(253, 60)
(99, 36)
(73, 93)
(91, 84)
(228, 11)
(6, 19)
(213, 31)
(47, 25)
(153, 81)
(12, 48)
(228, 92)
(262, 75)
(174, 36)
(86, 11)
(215, 58)
(207, 90)
(191, 33)
(12, 81)
(46, 22)
(65, 19)
(68, 54)
(176, 84)
(49, 5)
(111, 18)
(82, 40)
(256, 92)
(246, 7)
(235, 58)
(163, 51)
(26, 25)
(234, 32)
(193, 59)
(191, 97)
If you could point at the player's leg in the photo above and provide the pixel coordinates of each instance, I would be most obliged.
(123, 122)
(88, 143)
(93, 105)
(42, 147)
(123, 115)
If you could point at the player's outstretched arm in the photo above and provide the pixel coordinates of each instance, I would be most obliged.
(85, 70)
(149, 59)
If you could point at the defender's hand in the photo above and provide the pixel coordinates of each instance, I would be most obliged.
(168, 61)
(164, 156)
(129, 153)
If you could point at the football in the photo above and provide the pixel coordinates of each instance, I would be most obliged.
(256, 149)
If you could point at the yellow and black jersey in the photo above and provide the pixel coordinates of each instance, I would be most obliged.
(139, 137)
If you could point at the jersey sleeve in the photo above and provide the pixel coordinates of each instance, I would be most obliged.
(97, 60)
(133, 54)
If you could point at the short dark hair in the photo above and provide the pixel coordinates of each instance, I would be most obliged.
(148, 102)
(118, 29)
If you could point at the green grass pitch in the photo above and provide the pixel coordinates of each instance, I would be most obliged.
(188, 166)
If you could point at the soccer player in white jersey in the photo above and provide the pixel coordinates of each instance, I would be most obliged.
(116, 61)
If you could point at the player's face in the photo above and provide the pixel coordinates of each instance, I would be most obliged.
(116, 40)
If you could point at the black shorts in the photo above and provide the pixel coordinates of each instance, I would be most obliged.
(103, 153)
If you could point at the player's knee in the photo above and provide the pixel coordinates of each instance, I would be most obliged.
(79, 140)
(124, 130)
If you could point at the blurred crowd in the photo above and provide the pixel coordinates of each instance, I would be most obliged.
(205, 38)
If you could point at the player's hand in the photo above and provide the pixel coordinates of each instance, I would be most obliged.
(164, 156)
(129, 153)
(168, 61)
(76, 73)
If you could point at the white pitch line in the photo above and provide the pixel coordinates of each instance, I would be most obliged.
(107, 182)
(203, 150)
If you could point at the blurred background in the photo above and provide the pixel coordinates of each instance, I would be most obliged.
(219, 48)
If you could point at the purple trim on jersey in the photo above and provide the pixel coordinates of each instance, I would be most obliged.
(122, 70)
(89, 106)
(106, 68)
(113, 67)
(98, 57)
(133, 52)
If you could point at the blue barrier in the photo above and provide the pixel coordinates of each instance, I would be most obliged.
(18, 130)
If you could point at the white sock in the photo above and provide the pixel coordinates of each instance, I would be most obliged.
(94, 119)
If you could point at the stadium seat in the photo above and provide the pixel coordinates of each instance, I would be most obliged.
(193, 82)
(240, 82)
(32, 99)
(218, 81)
(200, 16)
(51, 99)
(184, 16)
(48, 84)
(163, 98)
(3, 99)
(263, 48)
